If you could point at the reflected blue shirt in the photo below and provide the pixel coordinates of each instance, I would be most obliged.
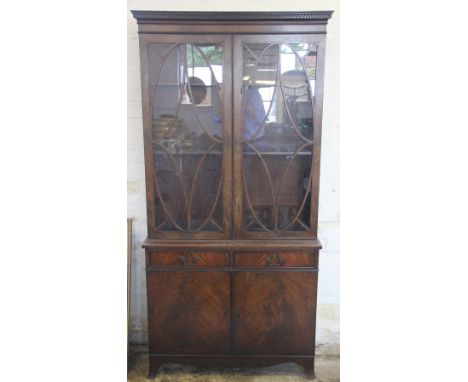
(254, 114)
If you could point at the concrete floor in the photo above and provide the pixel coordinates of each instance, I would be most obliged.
(327, 368)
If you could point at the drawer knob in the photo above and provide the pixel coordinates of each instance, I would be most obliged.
(184, 260)
(189, 260)
(195, 259)
(274, 260)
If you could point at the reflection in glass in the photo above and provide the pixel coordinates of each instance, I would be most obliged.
(186, 99)
(278, 105)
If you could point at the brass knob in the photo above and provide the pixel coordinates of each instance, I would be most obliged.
(183, 260)
(274, 260)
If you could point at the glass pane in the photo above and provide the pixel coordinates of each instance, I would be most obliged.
(187, 131)
(277, 120)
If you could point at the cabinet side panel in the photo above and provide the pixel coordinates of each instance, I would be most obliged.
(148, 152)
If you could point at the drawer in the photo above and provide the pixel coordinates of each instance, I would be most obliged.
(188, 259)
(275, 259)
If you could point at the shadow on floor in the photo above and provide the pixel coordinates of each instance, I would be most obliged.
(327, 370)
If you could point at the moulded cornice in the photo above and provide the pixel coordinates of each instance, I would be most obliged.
(148, 17)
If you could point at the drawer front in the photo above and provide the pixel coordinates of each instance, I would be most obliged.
(275, 259)
(188, 259)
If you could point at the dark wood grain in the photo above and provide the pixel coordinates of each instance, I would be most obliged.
(235, 245)
(275, 259)
(188, 312)
(231, 28)
(274, 313)
(188, 258)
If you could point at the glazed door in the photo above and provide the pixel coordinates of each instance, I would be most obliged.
(189, 312)
(274, 312)
(186, 81)
(278, 85)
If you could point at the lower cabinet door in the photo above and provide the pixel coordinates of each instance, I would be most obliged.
(274, 312)
(188, 312)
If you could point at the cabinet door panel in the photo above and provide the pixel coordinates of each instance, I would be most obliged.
(274, 312)
(187, 121)
(277, 124)
(188, 312)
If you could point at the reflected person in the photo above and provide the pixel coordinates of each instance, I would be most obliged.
(209, 116)
(254, 114)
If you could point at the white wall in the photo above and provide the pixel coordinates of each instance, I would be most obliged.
(329, 214)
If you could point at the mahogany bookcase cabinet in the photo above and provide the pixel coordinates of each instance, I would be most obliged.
(232, 116)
